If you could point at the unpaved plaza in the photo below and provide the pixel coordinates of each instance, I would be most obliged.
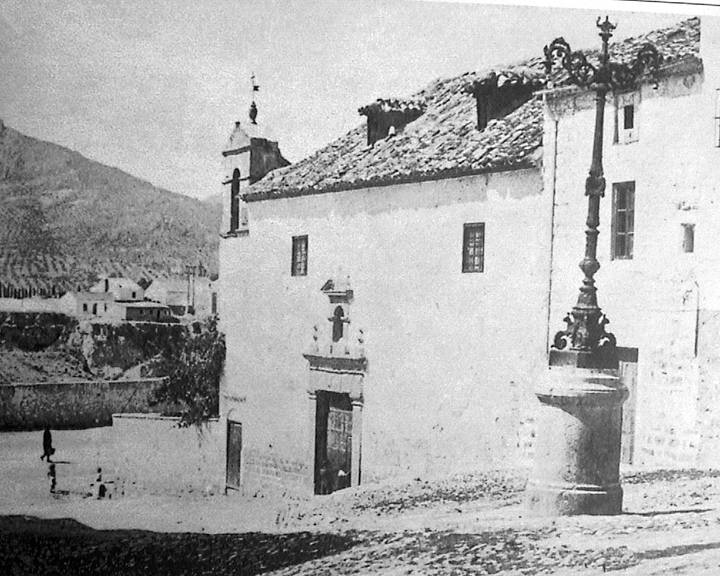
(472, 524)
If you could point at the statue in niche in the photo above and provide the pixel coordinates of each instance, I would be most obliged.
(337, 324)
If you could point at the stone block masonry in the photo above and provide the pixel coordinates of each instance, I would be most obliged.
(267, 473)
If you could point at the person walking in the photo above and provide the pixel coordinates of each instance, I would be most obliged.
(48, 450)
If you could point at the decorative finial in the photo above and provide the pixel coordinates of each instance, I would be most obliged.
(606, 29)
(253, 106)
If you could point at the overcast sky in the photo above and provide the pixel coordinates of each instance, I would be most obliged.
(154, 86)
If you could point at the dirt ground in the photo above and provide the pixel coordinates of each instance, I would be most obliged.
(473, 524)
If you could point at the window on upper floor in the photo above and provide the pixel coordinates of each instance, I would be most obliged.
(299, 256)
(623, 220)
(235, 200)
(626, 128)
(473, 257)
(688, 239)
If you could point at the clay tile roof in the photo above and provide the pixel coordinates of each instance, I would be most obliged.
(444, 142)
(404, 105)
(530, 73)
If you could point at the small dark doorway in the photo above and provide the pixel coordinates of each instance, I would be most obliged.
(234, 453)
(333, 442)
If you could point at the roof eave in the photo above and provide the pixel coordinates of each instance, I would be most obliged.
(689, 65)
(384, 182)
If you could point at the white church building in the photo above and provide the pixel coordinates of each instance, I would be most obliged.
(389, 301)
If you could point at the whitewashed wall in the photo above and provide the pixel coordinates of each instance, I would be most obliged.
(663, 301)
(451, 356)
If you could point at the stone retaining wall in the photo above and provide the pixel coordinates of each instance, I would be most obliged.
(72, 404)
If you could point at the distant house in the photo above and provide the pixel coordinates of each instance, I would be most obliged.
(123, 289)
(142, 311)
(88, 305)
(113, 300)
(193, 295)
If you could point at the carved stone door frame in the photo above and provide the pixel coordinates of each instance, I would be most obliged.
(342, 376)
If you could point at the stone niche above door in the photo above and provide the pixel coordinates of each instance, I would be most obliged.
(337, 367)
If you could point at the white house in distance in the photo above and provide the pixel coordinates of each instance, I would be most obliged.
(389, 301)
(185, 295)
(123, 289)
(114, 300)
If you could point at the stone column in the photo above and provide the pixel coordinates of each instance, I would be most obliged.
(310, 454)
(357, 408)
(577, 454)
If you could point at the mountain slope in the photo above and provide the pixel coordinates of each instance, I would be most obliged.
(65, 219)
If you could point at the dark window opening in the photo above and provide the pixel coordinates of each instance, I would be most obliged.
(688, 238)
(387, 117)
(235, 200)
(497, 96)
(628, 117)
(299, 256)
(623, 220)
(473, 247)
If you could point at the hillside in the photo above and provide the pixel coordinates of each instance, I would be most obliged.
(66, 220)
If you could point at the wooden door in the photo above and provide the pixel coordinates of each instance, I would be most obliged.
(339, 439)
(628, 375)
(233, 454)
(333, 442)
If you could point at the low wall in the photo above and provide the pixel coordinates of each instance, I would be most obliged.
(153, 455)
(72, 404)
(36, 304)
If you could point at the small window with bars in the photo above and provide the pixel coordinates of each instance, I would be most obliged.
(299, 256)
(623, 220)
(473, 247)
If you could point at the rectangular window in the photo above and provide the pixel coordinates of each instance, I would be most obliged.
(299, 256)
(473, 247)
(629, 117)
(688, 238)
(623, 220)
(626, 120)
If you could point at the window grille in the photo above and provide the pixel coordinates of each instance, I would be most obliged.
(299, 255)
(473, 247)
(623, 220)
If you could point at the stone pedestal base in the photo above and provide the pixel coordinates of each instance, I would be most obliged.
(577, 454)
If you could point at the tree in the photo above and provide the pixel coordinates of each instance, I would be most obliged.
(194, 369)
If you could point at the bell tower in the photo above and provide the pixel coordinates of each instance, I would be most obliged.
(250, 153)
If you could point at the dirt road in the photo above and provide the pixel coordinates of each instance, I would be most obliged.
(474, 524)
